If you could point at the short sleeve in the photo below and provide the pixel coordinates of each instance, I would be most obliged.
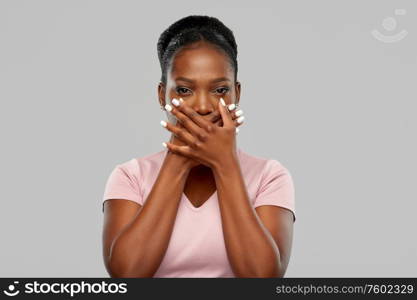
(123, 183)
(276, 187)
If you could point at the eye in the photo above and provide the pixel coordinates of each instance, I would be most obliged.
(182, 90)
(222, 90)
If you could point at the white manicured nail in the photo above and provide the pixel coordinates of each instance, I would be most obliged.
(164, 144)
(239, 113)
(232, 106)
(163, 123)
(181, 100)
(168, 107)
(237, 130)
(222, 102)
(240, 119)
(175, 102)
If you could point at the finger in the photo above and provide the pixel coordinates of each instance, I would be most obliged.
(239, 120)
(182, 150)
(219, 122)
(185, 109)
(238, 117)
(231, 107)
(180, 133)
(226, 117)
(215, 116)
(237, 113)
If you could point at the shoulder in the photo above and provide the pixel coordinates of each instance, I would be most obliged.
(134, 168)
(254, 165)
(128, 178)
(136, 164)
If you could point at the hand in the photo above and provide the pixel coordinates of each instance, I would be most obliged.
(191, 163)
(216, 119)
(207, 143)
(236, 114)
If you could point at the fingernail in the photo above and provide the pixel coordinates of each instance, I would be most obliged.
(239, 113)
(175, 102)
(222, 102)
(163, 123)
(164, 144)
(181, 100)
(240, 119)
(237, 129)
(168, 107)
(232, 106)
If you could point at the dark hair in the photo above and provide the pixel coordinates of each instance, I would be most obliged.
(192, 29)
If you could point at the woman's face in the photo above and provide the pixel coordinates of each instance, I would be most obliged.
(200, 74)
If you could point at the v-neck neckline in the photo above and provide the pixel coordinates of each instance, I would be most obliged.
(190, 205)
(184, 196)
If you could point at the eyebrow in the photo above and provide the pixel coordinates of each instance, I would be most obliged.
(192, 81)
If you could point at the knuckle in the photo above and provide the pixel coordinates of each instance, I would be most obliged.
(180, 133)
(196, 144)
(202, 136)
(210, 128)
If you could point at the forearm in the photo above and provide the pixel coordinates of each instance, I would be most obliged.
(139, 249)
(251, 249)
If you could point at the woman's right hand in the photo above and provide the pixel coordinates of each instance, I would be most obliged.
(190, 163)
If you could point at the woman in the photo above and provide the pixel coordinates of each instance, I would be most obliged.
(202, 207)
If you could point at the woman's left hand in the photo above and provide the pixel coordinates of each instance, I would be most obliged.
(207, 143)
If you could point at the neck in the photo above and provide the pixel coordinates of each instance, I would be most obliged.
(200, 170)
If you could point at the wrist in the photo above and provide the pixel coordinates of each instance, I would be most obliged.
(177, 162)
(228, 162)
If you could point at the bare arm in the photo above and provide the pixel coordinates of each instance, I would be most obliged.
(136, 237)
(258, 241)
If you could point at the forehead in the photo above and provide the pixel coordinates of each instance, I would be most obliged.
(200, 61)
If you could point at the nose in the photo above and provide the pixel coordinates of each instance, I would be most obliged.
(204, 104)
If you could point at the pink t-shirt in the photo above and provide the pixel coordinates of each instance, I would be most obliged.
(196, 247)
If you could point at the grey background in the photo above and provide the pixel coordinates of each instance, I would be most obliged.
(320, 94)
